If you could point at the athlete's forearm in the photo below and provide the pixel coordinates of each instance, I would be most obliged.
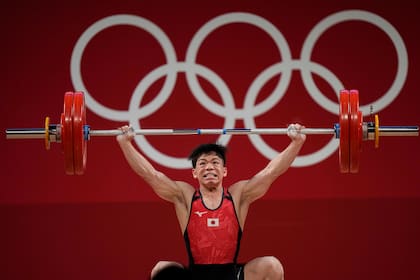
(137, 161)
(279, 164)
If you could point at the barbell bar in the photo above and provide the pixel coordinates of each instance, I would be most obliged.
(74, 133)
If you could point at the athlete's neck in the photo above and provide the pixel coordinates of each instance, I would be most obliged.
(212, 198)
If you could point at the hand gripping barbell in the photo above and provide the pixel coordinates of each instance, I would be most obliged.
(74, 133)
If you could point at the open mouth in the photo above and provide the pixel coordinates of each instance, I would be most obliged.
(210, 175)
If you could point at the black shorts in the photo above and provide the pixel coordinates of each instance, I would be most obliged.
(217, 271)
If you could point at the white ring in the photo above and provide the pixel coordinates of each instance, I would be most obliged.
(229, 18)
(374, 19)
(92, 31)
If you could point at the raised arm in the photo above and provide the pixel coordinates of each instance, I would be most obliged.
(164, 187)
(258, 185)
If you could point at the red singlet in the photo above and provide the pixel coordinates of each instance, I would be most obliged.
(212, 236)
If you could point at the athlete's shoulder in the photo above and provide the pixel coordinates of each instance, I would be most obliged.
(237, 188)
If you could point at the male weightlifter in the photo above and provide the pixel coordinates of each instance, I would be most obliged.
(212, 216)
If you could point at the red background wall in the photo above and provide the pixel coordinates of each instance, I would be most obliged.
(107, 224)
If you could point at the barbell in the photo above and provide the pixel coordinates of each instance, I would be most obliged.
(74, 133)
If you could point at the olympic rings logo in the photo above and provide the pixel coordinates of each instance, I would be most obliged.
(229, 112)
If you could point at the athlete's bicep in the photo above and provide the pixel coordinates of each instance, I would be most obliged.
(240, 201)
(166, 188)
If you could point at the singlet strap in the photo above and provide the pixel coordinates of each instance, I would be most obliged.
(196, 195)
(227, 195)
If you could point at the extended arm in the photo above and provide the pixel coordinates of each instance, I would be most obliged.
(257, 186)
(163, 186)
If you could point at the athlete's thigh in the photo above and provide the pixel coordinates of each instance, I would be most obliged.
(161, 265)
(262, 267)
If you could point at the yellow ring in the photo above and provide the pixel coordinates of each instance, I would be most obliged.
(376, 131)
(47, 133)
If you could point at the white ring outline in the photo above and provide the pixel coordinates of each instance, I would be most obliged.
(93, 30)
(230, 18)
(354, 15)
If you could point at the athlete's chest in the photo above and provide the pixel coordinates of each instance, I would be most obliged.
(223, 217)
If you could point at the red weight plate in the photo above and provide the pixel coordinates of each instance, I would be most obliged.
(79, 142)
(344, 149)
(355, 131)
(360, 130)
(67, 132)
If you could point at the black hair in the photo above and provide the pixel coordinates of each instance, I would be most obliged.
(204, 149)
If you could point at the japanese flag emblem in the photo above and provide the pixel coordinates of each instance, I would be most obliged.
(212, 222)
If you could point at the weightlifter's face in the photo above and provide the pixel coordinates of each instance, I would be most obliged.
(209, 170)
